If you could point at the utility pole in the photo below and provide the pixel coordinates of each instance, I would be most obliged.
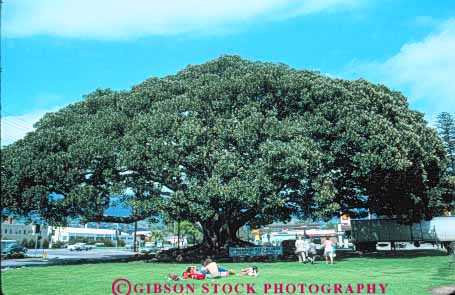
(117, 232)
(37, 231)
(134, 237)
(36, 243)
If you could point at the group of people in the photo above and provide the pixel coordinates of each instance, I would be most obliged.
(307, 252)
(305, 249)
(211, 270)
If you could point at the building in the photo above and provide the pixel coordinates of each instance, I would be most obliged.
(24, 232)
(67, 234)
(174, 240)
(145, 233)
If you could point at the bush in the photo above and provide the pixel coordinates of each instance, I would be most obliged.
(121, 243)
(58, 245)
(107, 242)
(24, 243)
(46, 244)
(30, 244)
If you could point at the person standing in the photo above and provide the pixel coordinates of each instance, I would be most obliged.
(306, 247)
(300, 250)
(328, 251)
(312, 253)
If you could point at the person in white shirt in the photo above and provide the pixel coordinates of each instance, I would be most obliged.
(306, 247)
(328, 251)
(300, 249)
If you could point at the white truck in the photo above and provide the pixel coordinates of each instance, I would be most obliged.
(80, 247)
(367, 233)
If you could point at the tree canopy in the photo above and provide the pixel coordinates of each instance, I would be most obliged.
(446, 129)
(232, 142)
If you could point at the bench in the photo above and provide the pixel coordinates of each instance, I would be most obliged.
(240, 253)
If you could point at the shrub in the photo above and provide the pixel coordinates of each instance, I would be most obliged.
(58, 245)
(108, 243)
(30, 244)
(46, 244)
(24, 243)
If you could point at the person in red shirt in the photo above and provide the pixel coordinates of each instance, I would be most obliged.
(191, 273)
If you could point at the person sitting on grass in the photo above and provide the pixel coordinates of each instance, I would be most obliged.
(249, 271)
(213, 271)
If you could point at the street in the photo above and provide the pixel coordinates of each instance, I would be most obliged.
(58, 256)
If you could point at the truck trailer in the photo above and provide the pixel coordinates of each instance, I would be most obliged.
(367, 233)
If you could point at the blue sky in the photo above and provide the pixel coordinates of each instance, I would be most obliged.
(54, 52)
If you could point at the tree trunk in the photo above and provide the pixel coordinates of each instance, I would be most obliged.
(218, 235)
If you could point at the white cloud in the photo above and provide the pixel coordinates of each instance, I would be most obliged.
(426, 69)
(120, 19)
(14, 128)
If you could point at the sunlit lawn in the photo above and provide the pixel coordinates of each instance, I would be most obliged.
(411, 275)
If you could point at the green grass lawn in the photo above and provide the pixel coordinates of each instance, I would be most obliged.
(411, 275)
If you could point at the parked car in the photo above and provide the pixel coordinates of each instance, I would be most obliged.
(99, 244)
(149, 249)
(167, 247)
(6, 243)
(14, 250)
(80, 247)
